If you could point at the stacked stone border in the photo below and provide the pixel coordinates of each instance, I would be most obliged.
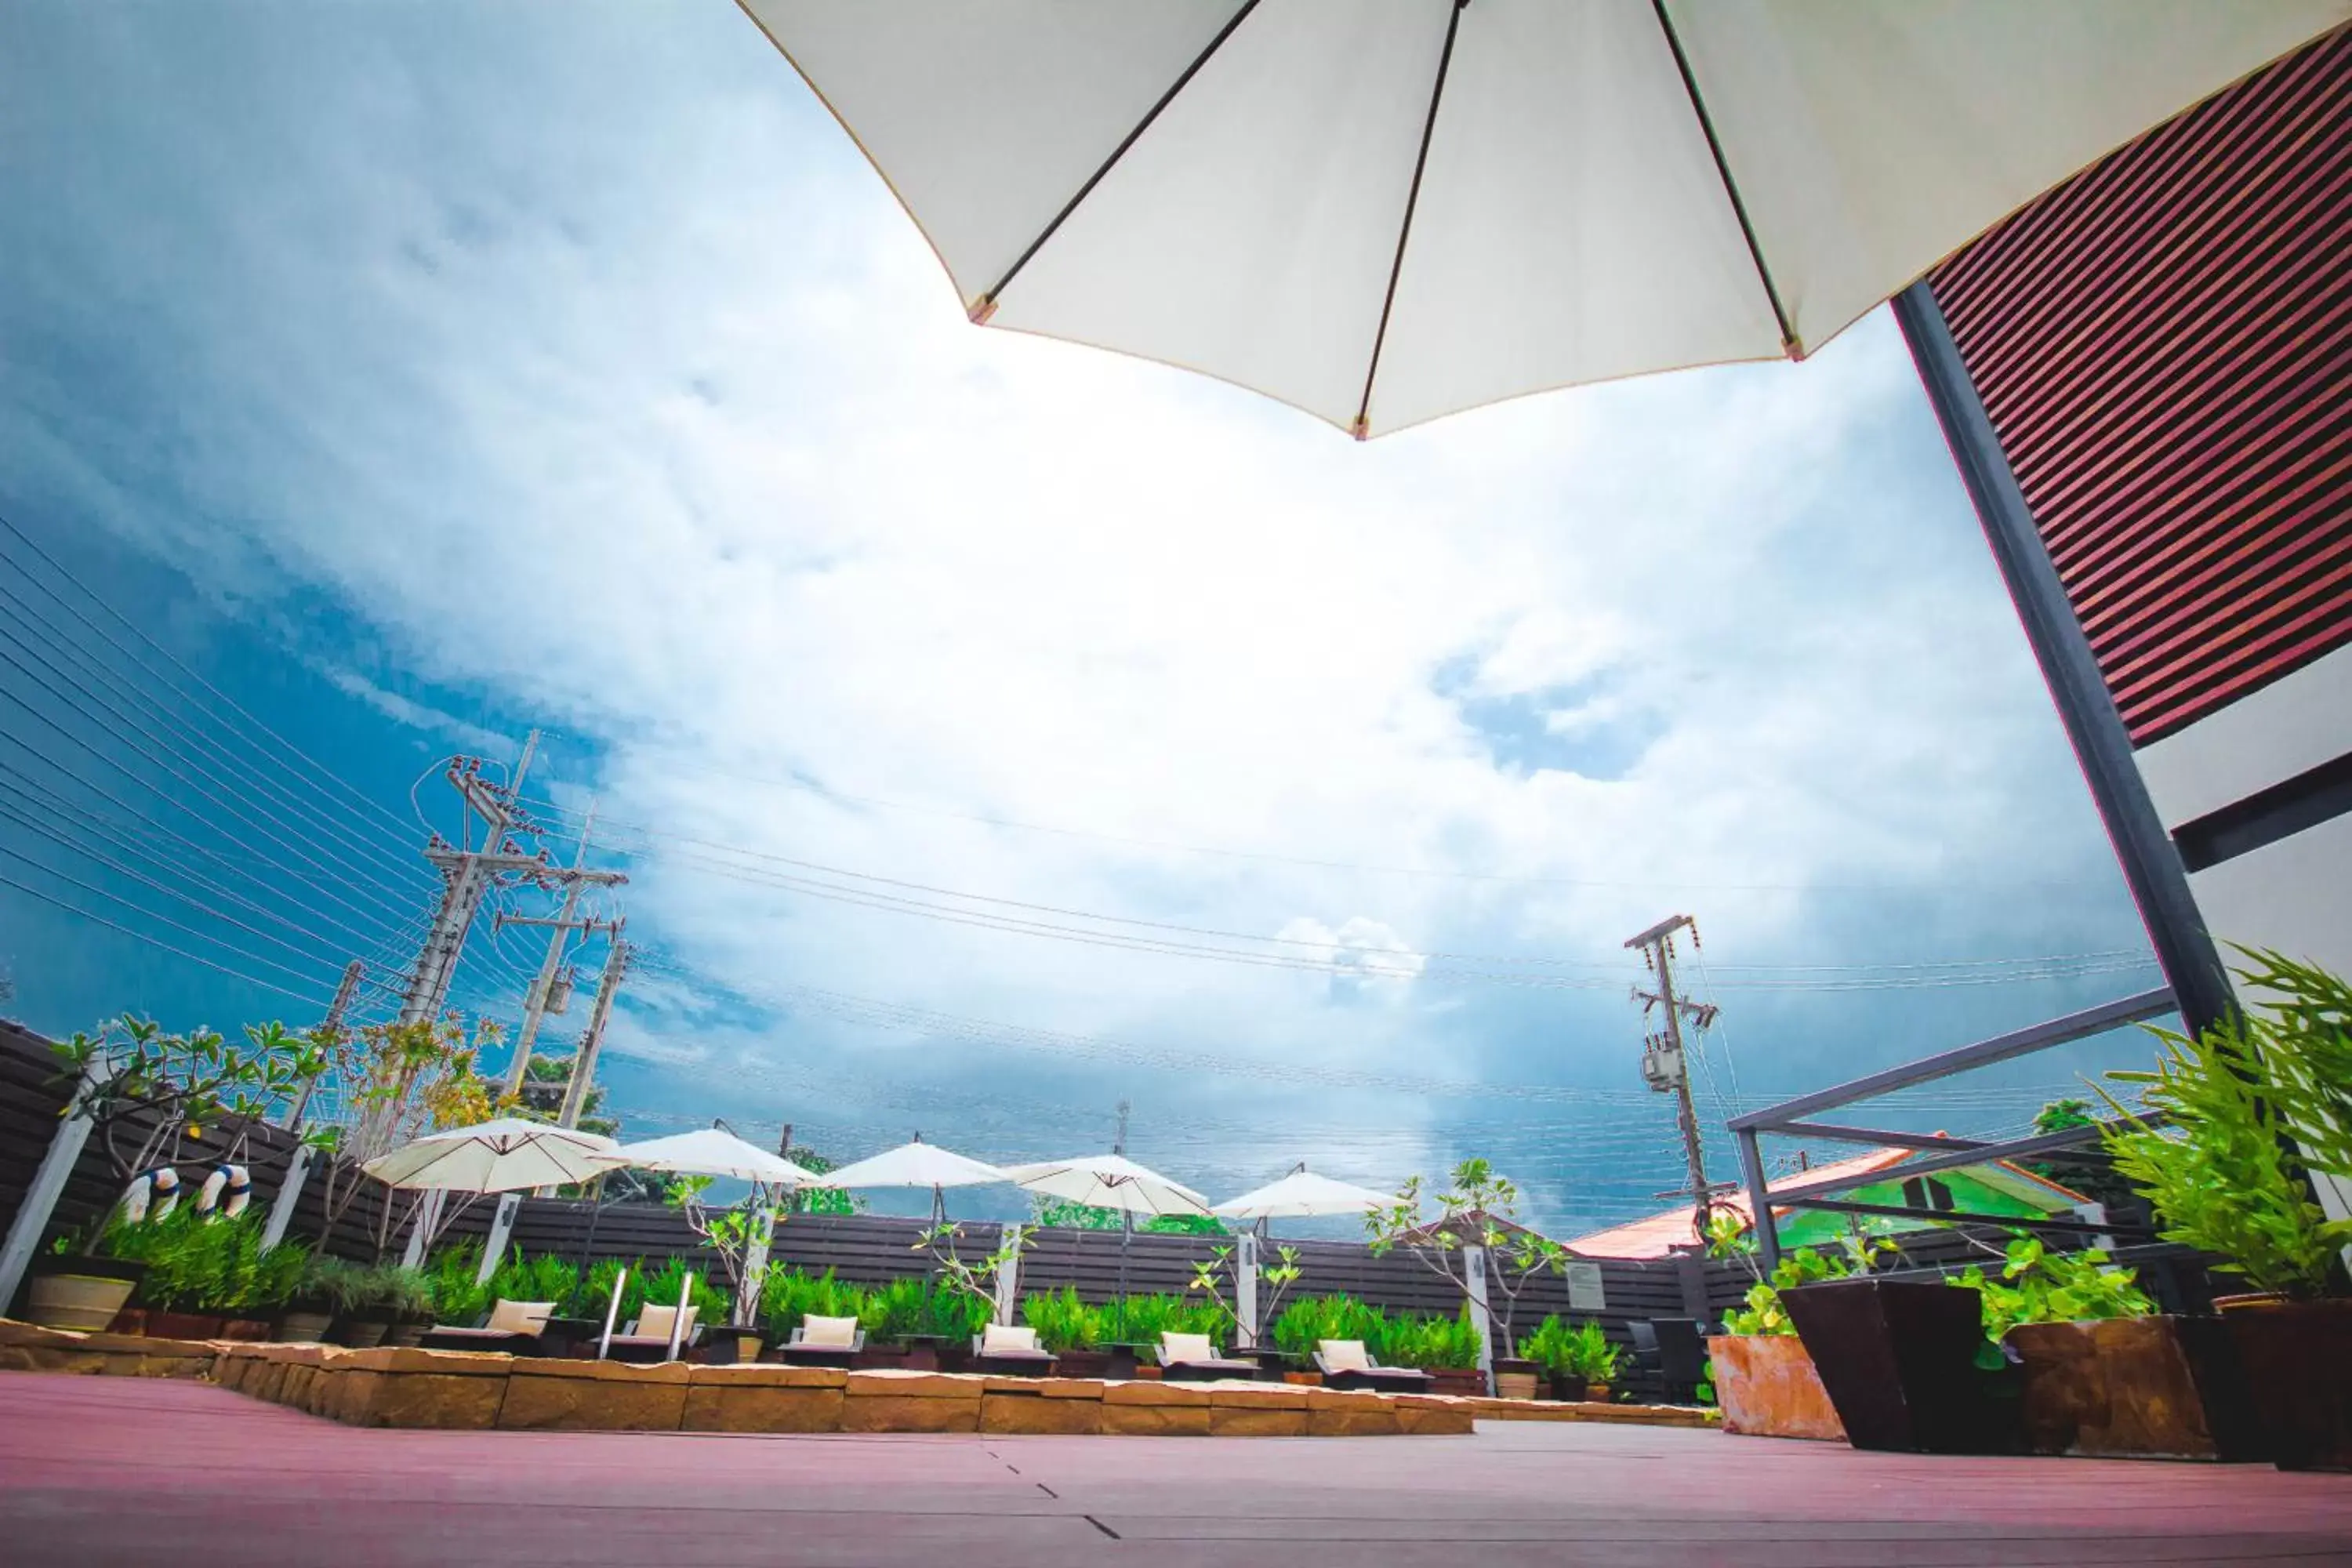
(470, 1391)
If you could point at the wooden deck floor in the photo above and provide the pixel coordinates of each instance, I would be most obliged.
(102, 1471)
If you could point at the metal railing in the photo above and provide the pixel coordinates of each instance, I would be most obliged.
(1791, 1117)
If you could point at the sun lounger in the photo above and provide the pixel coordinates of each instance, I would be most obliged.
(513, 1326)
(823, 1341)
(648, 1339)
(1191, 1358)
(1002, 1347)
(1345, 1363)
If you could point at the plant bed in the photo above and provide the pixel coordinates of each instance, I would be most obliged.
(880, 1358)
(247, 1330)
(2135, 1388)
(2298, 1362)
(78, 1291)
(1898, 1358)
(164, 1325)
(1083, 1363)
(1768, 1387)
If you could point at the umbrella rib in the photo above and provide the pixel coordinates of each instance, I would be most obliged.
(1361, 428)
(985, 306)
(1789, 344)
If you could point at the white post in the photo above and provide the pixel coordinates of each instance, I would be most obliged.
(612, 1311)
(48, 1183)
(290, 1193)
(755, 1266)
(420, 1227)
(494, 1246)
(1475, 1258)
(1245, 1290)
(677, 1319)
(1008, 1276)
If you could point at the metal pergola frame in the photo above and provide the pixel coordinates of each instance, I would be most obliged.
(1791, 1117)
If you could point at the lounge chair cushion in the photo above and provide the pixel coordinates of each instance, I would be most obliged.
(520, 1317)
(655, 1323)
(998, 1338)
(831, 1333)
(1346, 1356)
(1186, 1347)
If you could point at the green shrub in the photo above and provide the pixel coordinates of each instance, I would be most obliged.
(1306, 1323)
(2038, 1286)
(1062, 1321)
(213, 1265)
(789, 1295)
(662, 1286)
(1141, 1320)
(1581, 1351)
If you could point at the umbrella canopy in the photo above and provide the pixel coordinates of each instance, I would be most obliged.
(916, 1164)
(1109, 1182)
(711, 1151)
(1388, 210)
(1302, 1194)
(496, 1157)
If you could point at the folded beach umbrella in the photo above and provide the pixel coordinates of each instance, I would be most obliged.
(1302, 1195)
(498, 1156)
(1383, 211)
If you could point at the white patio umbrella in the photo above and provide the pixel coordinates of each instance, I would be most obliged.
(914, 1164)
(711, 1151)
(1110, 1182)
(1383, 211)
(495, 1157)
(1302, 1195)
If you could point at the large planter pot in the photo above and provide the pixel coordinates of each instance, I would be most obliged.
(249, 1330)
(304, 1325)
(162, 1325)
(361, 1334)
(2135, 1388)
(130, 1321)
(1466, 1381)
(1768, 1387)
(1516, 1379)
(2298, 1362)
(406, 1335)
(1898, 1358)
(73, 1291)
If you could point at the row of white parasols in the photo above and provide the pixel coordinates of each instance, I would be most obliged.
(511, 1154)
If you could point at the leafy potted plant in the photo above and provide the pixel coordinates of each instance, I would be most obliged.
(1579, 1362)
(408, 1294)
(1069, 1328)
(145, 1092)
(1301, 1327)
(368, 1311)
(1446, 1348)
(2251, 1109)
(1273, 1282)
(1474, 1212)
(2103, 1375)
(319, 1295)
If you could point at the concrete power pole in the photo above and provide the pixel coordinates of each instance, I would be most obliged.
(466, 876)
(329, 1027)
(550, 992)
(1663, 1063)
(583, 1061)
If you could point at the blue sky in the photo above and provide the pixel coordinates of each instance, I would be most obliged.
(420, 375)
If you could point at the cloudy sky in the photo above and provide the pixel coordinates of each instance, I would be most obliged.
(992, 729)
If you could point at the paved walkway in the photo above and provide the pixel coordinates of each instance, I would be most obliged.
(96, 1472)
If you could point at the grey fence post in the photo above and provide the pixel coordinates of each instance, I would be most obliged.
(494, 1246)
(290, 1193)
(421, 1226)
(1474, 1259)
(49, 1184)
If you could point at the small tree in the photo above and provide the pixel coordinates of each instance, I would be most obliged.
(147, 1090)
(976, 1280)
(1276, 1280)
(1476, 1210)
(398, 1082)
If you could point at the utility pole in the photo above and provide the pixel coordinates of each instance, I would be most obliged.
(1663, 1063)
(466, 876)
(552, 991)
(1119, 1141)
(583, 1061)
(329, 1027)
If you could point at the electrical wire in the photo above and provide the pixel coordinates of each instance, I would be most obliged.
(152, 941)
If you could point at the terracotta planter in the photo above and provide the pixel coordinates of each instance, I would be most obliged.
(1597, 1393)
(2135, 1388)
(1515, 1384)
(2298, 1362)
(162, 1325)
(1768, 1387)
(1898, 1358)
(80, 1293)
(1302, 1379)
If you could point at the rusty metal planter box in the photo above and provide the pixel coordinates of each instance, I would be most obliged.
(2135, 1388)
(1768, 1387)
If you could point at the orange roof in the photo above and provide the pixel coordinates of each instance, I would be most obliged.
(1655, 1236)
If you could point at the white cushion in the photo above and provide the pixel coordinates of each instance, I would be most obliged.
(833, 1333)
(654, 1323)
(1005, 1337)
(1346, 1356)
(1186, 1347)
(520, 1317)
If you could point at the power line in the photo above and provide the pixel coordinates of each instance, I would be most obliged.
(154, 942)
